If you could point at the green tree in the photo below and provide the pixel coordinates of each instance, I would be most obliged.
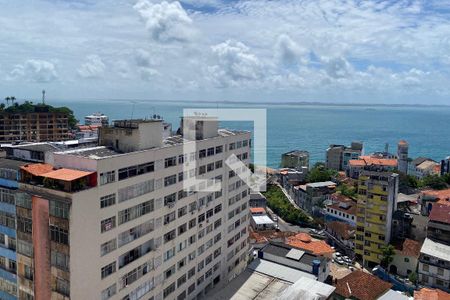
(320, 173)
(346, 190)
(388, 253)
(435, 182)
(413, 277)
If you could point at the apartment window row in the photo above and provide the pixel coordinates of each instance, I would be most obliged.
(107, 177)
(136, 211)
(107, 200)
(136, 253)
(170, 180)
(135, 232)
(25, 248)
(108, 247)
(141, 290)
(8, 287)
(7, 219)
(136, 170)
(23, 200)
(108, 270)
(60, 260)
(210, 151)
(108, 224)
(136, 190)
(170, 162)
(62, 287)
(7, 196)
(135, 274)
(59, 209)
(59, 235)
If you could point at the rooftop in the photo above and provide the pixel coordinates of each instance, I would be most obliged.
(419, 160)
(297, 153)
(12, 164)
(372, 161)
(321, 184)
(427, 165)
(304, 241)
(39, 147)
(435, 249)
(393, 295)
(431, 294)
(282, 250)
(362, 286)
(345, 205)
(438, 195)
(262, 220)
(410, 248)
(440, 213)
(345, 230)
(257, 210)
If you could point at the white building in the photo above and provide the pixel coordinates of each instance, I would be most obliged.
(129, 224)
(434, 265)
(96, 119)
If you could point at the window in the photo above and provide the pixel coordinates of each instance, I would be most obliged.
(28, 272)
(219, 164)
(169, 272)
(59, 235)
(191, 288)
(169, 236)
(191, 273)
(406, 259)
(169, 290)
(107, 177)
(169, 200)
(135, 274)
(169, 180)
(108, 224)
(59, 260)
(210, 167)
(440, 271)
(181, 280)
(218, 208)
(182, 229)
(135, 253)
(232, 146)
(426, 268)
(219, 149)
(201, 170)
(25, 248)
(202, 153)
(136, 211)
(135, 170)
(107, 200)
(62, 287)
(135, 232)
(169, 254)
(108, 269)
(59, 209)
(170, 162)
(192, 223)
(182, 211)
(136, 190)
(109, 292)
(181, 263)
(8, 220)
(182, 158)
(108, 247)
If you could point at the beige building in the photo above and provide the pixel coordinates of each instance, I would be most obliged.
(133, 220)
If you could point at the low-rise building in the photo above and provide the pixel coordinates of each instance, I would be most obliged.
(431, 294)
(312, 197)
(439, 223)
(360, 285)
(262, 222)
(422, 166)
(428, 197)
(342, 209)
(338, 156)
(341, 235)
(305, 242)
(434, 265)
(257, 200)
(296, 159)
(96, 119)
(296, 258)
(406, 258)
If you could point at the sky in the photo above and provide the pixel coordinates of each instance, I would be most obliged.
(334, 51)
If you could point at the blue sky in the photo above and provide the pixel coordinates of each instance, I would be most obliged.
(258, 50)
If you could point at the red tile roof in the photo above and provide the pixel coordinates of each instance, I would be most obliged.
(410, 248)
(368, 161)
(257, 210)
(361, 285)
(431, 294)
(440, 213)
(37, 169)
(351, 209)
(66, 174)
(442, 196)
(304, 241)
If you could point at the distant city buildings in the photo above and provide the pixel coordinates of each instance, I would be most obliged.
(338, 156)
(312, 197)
(296, 159)
(377, 201)
(355, 166)
(36, 126)
(422, 166)
(402, 155)
(96, 119)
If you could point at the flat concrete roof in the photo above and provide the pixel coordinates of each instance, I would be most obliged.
(262, 220)
(435, 249)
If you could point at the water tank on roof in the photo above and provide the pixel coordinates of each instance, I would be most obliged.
(315, 267)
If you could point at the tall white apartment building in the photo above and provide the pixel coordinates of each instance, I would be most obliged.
(117, 221)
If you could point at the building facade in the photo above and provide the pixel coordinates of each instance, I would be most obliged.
(96, 119)
(137, 218)
(377, 201)
(296, 159)
(402, 155)
(34, 126)
(434, 265)
(338, 156)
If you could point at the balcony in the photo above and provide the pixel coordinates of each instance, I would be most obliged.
(65, 180)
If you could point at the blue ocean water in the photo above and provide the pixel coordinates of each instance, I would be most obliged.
(309, 127)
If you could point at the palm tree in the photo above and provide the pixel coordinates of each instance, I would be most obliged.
(12, 98)
(7, 100)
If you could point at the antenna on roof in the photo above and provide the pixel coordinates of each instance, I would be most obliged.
(132, 110)
(43, 96)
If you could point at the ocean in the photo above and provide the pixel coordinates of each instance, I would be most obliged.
(308, 127)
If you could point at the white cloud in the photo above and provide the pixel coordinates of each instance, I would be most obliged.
(94, 67)
(234, 63)
(337, 67)
(34, 70)
(165, 21)
(288, 52)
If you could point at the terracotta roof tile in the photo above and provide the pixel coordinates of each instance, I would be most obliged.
(431, 294)
(37, 169)
(351, 209)
(410, 248)
(437, 194)
(361, 285)
(66, 174)
(304, 241)
(345, 230)
(368, 161)
(440, 213)
(257, 210)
